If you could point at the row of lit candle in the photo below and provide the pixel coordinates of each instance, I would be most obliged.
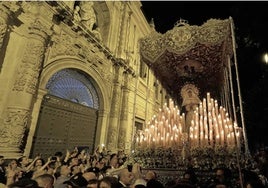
(164, 130)
(210, 126)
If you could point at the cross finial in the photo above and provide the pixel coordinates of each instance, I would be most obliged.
(181, 22)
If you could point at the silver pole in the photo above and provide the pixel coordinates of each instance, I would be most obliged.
(239, 92)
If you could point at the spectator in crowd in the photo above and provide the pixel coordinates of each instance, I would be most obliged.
(251, 179)
(64, 175)
(222, 178)
(45, 181)
(2, 170)
(151, 178)
(109, 182)
(125, 178)
(24, 183)
(77, 181)
(189, 179)
(93, 183)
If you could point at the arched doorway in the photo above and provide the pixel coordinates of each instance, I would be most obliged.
(68, 114)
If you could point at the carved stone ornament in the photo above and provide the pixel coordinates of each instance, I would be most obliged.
(182, 38)
(3, 29)
(66, 45)
(28, 72)
(112, 139)
(15, 124)
(39, 30)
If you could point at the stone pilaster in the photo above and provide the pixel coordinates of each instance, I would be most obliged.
(31, 63)
(123, 30)
(115, 110)
(102, 128)
(35, 115)
(123, 126)
(17, 113)
(13, 131)
(4, 17)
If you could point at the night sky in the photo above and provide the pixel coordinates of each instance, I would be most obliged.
(251, 33)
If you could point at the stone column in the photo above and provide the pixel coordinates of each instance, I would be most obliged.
(4, 17)
(115, 110)
(16, 115)
(102, 127)
(123, 126)
(35, 115)
(123, 30)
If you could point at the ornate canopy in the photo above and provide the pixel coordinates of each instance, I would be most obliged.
(190, 54)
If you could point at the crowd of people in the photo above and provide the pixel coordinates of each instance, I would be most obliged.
(103, 169)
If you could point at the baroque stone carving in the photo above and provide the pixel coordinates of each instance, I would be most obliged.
(3, 28)
(87, 14)
(29, 68)
(15, 124)
(63, 45)
(66, 45)
(115, 101)
(122, 136)
(112, 138)
(125, 89)
(32, 59)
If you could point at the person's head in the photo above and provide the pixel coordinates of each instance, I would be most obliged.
(13, 164)
(77, 181)
(75, 169)
(2, 160)
(64, 170)
(23, 161)
(39, 162)
(222, 175)
(73, 161)
(154, 183)
(139, 182)
(108, 182)
(59, 155)
(101, 163)
(95, 170)
(89, 175)
(45, 180)
(189, 176)
(150, 175)
(114, 160)
(251, 179)
(93, 183)
(126, 177)
(24, 183)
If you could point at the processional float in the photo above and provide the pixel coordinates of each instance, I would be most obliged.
(194, 61)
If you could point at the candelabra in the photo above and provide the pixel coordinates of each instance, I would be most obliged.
(210, 140)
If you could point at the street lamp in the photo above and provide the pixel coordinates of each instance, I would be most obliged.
(265, 58)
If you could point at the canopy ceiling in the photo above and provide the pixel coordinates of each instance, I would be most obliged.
(190, 54)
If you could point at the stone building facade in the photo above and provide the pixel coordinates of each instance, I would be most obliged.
(48, 49)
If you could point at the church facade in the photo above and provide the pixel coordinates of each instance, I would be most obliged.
(71, 76)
